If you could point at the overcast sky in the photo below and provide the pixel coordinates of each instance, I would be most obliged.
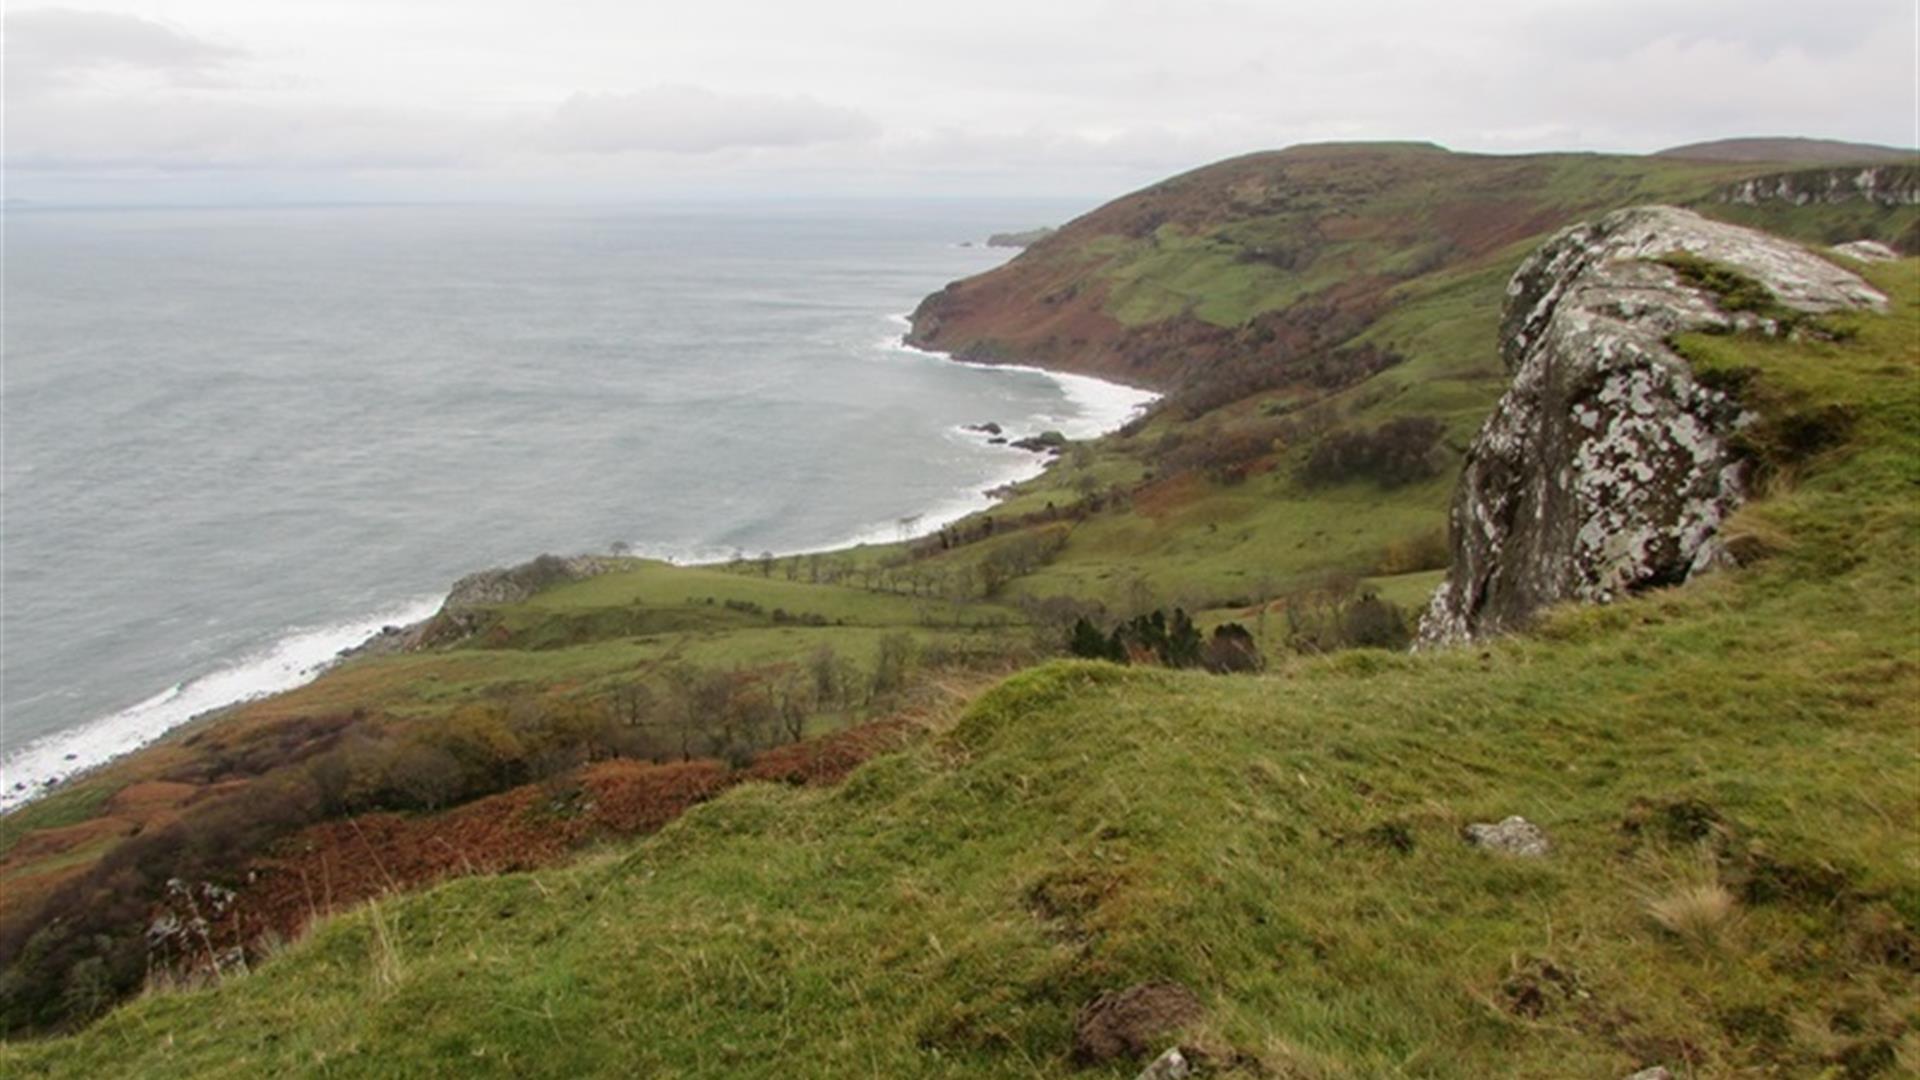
(295, 100)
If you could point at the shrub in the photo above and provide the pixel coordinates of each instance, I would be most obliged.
(893, 662)
(1372, 623)
(1154, 637)
(1411, 554)
(1395, 453)
(1231, 649)
(1222, 455)
(1089, 643)
(419, 775)
(1337, 614)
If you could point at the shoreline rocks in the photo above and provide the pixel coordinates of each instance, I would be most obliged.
(1047, 442)
(1020, 239)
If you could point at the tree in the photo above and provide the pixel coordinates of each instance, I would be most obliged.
(795, 704)
(632, 703)
(892, 663)
(424, 776)
(824, 669)
(1182, 648)
(1087, 641)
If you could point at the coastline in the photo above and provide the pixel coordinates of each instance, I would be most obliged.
(47, 763)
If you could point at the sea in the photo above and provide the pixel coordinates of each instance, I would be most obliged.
(234, 441)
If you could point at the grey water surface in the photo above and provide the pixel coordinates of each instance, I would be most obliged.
(228, 428)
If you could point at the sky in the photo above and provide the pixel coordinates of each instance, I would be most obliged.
(163, 101)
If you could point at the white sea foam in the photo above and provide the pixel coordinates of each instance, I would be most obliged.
(1093, 407)
(289, 662)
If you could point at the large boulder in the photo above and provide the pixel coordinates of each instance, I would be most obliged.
(516, 583)
(464, 613)
(1607, 467)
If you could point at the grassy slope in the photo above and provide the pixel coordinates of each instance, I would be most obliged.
(572, 644)
(1086, 826)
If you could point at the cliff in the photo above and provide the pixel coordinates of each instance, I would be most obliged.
(1608, 466)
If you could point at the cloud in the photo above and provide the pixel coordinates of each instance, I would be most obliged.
(172, 133)
(693, 120)
(60, 47)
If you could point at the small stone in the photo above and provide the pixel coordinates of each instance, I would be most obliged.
(1514, 836)
(1171, 1065)
(1657, 1072)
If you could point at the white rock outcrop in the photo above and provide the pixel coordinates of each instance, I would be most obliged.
(1607, 467)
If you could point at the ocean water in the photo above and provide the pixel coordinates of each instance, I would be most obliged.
(237, 441)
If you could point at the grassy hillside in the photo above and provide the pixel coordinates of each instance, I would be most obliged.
(1729, 773)
(1279, 254)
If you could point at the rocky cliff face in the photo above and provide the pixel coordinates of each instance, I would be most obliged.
(463, 612)
(1607, 468)
(1882, 185)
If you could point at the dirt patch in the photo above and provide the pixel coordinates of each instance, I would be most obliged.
(151, 801)
(1132, 1023)
(1538, 986)
(1163, 497)
(50, 843)
(1675, 821)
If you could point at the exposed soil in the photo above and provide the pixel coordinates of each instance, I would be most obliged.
(1131, 1023)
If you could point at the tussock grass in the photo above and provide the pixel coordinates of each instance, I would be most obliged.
(1702, 914)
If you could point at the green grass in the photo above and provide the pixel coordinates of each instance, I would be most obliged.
(1173, 273)
(68, 806)
(1286, 845)
(661, 585)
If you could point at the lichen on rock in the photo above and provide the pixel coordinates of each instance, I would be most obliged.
(1607, 467)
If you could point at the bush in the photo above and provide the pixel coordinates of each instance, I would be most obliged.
(1231, 649)
(1395, 453)
(1174, 642)
(1412, 554)
(1223, 455)
(1337, 614)
(1270, 366)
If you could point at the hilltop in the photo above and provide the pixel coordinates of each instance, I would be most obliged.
(1799, 150)
(1286, 845)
